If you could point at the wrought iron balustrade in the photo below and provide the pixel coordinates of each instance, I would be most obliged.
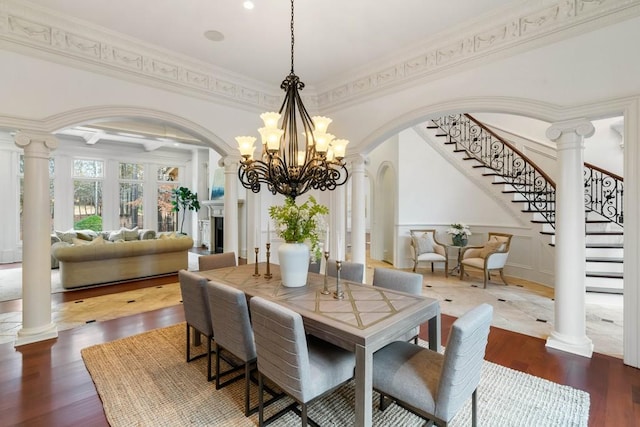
(603, 193)
(506, 161)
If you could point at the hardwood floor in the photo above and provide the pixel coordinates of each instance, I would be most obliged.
(46, 384)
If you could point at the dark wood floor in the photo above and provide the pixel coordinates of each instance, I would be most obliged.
(46, 384)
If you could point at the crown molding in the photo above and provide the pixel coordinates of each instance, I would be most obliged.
(35, 31)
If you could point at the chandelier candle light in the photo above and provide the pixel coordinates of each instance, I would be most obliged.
(288, 166)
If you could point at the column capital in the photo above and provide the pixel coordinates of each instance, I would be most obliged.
(358, 161)
(229, 163)
(24, 138)
(581, 127)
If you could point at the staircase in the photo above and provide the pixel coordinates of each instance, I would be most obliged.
(528, 185)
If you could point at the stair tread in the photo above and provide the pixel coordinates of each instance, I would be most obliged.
(605, 259)
(605, 233)
(605, 245)
(604, 275)
(537, 211)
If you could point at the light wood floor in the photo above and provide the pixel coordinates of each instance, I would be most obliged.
(46, 384)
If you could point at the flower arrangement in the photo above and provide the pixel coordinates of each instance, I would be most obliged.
(459, 230)
(459, 234)
(299, 223)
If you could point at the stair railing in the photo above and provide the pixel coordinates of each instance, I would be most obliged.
(507, 162)
(603, 191)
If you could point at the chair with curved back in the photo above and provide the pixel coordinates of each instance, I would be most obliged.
(213, 261)
(491, 256)
(304, 367)
(196, 313)
(352, 271)
(426, 248)
(432, 385)
(402, 281)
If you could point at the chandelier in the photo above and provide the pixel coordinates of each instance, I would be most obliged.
(287, 165)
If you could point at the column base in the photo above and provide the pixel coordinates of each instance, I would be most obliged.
(582, 346)
(31, 335)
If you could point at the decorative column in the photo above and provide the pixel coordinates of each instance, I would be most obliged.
(338, 223)
(36, 241)
(230, 164)
(569, 332)
(358, 220)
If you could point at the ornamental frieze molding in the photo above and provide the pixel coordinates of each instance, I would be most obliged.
(34, 31)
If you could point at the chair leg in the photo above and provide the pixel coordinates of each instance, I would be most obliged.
(502, 277)
(303, 415)
(474, 408)
(188, 345)
(384, 403)
(446, 269)
(461, 271)
(415, 264)
(209, 376)
(486, 275)
(260, 400)
(247, 381)
(217, 367)
(432, 267)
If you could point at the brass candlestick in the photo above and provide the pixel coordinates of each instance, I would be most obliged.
(338, 294)
(325, 290)
(268, 274)
(256, 274)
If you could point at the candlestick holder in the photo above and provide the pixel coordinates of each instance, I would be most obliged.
(325, 289)
(256, 274)
(338, 294)
(268, 274)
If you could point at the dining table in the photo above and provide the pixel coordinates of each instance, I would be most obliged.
(363, 321)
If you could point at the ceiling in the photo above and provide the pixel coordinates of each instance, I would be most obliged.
(333, 38)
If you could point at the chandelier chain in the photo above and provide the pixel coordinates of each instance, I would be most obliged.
(292, 37)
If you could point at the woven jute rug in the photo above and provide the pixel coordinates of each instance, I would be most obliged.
(144, 381)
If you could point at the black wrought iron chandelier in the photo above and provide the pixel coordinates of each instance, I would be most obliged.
(288, 166)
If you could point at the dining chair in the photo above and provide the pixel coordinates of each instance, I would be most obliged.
(304, 367)
(352, 271)
(230, 318)
(213, 261)
(435, 386)
(196, 313)
(314, 266)
(490, 257)
(402, 281)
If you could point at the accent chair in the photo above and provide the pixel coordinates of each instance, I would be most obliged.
(426, 248)
(490, 257)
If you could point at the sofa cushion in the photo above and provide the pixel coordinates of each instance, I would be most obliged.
(84, 236)
(129, 234)
(66, 236)
(97, 241)
(114, 236)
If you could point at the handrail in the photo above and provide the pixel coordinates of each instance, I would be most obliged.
(513, 147)
(535, 187)
(603, 189)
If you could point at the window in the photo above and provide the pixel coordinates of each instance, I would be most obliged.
(51, 194)
(87, 194)
(167, 182)
(131, 191)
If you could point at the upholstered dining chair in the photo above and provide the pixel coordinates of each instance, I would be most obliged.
(303, 366)
(430, 384)
(352, 271)
(213, 261)
(490, 257)
(402, 281)
(314, 266)
(425, 248)
(230, 315)
(196, 313)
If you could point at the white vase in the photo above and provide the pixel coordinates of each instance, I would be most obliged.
(294, 264)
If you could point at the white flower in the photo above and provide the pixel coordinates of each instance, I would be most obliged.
(459, 230)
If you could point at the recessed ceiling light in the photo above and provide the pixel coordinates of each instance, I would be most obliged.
(248, 5)
(214, 35)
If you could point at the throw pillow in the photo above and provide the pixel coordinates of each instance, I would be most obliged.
(116, 235)
(66, 236)
(490, 246)
(83, 236)
(97, 241)
(167, 236)
(424, 244)
(130, 234)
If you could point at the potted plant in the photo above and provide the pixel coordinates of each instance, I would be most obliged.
(298, 225)
(459, 234)
(184, 200)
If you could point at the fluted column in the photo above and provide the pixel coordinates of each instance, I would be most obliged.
(358, 220)
(230, 164)
(569, 333)
(36, 242)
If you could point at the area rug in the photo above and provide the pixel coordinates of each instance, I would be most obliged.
(144, 381)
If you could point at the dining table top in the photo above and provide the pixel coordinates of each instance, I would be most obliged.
(360, 317)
